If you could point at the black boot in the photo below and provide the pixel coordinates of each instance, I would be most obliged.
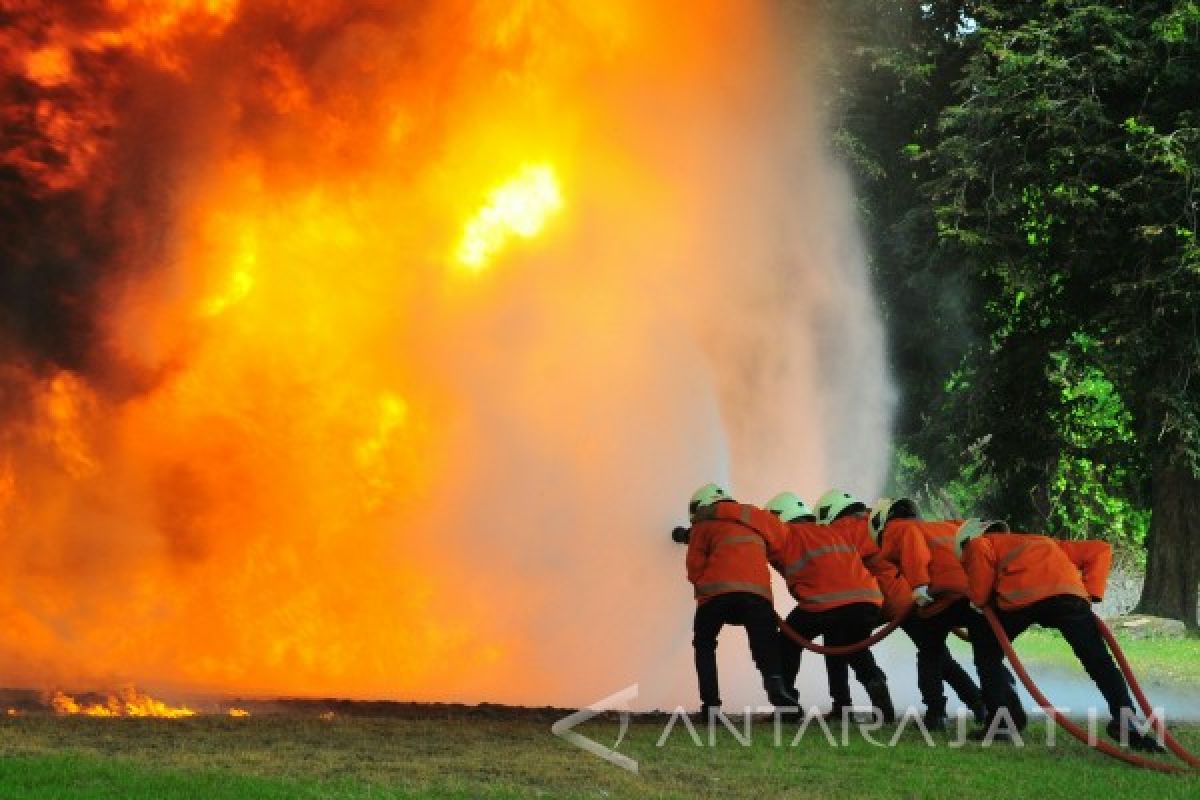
(835, 713)
(935, 718)
(881, 698)
(1135, 740)
(1004, 732)
(1020, 719)
(1145, 744)
(780, 694)
(707, 711)
(972, 698)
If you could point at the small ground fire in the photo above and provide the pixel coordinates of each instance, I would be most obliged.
(129, 702)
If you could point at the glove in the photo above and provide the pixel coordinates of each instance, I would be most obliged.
(921, 596)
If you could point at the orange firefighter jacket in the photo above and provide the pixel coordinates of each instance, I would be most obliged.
(823, 565)
(924, 552)
(729, 550)
(897, 592)
(1094, 560)
(1020, 569)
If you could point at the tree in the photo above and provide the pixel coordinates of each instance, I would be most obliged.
(1064, 179)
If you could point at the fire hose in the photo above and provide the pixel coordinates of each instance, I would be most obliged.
(1006, 644)
(1172, 743)
(1078, 732)
(850, 649)
(846, 649)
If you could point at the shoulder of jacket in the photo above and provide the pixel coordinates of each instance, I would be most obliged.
(981, 544)
(905, 527)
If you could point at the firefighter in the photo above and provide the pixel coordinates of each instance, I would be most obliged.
(836, 597)
(935, 664)
(728, 549)
(1033, 579)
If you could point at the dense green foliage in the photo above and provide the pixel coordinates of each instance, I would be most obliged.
(1029, 182)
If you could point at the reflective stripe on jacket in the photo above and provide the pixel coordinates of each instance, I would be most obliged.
(1019, 569)
(823, 565)
(729, 549)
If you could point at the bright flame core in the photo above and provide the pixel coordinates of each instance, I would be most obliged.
(520, 207)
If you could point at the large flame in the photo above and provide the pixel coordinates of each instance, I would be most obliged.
(265, 434)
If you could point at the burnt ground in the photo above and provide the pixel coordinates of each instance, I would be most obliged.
(30, 701)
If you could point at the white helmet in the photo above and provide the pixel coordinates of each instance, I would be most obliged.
(706, 495)
(886, 509)
(834, 503)
(790, 508)
(974, 528)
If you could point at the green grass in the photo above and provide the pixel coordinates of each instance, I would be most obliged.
(79, 775)
(278, 757)
(1154, 660)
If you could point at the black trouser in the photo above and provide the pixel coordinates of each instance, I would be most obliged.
(997, 691)
(840, 626)
(1072, 617)
(935, 664)
(756, 615)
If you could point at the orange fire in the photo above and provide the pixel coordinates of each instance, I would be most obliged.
(129, 702)
(294, 448)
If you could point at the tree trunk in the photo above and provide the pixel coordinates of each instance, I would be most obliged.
(1173, 544)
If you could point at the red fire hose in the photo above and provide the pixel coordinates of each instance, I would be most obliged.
(1172, 743)
(848, 649)
(1071, 727)
(1104, 747)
